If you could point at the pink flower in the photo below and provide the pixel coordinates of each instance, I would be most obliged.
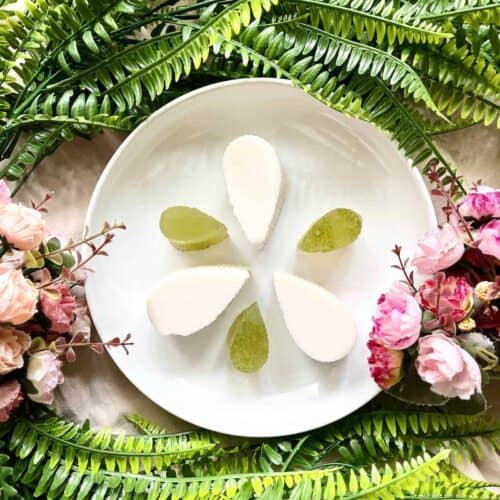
(21, 226)
(18, 296)
(488, 237)
(4, 193)
(11, 397)
(13, 344)
(81, 323)
(385, 364)
(483, 201)
(455, 299)
(451, 371)
(397, 318)
(44, 372)
(58, 305)
(438, 249)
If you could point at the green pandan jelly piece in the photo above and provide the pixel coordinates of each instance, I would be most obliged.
(336, 229)
(190, 229)
(247, 340)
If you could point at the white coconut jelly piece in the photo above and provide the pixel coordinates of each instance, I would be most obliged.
(319, 323)
(190, 299)
(253, 180)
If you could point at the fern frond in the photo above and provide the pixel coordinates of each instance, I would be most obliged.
(377, 436)
(475, 12)
(328, 483)
(37, 146)
(455, 65)
(369, 21)
(49, 442)
(179, 55)
(469, 107)
(365, 59)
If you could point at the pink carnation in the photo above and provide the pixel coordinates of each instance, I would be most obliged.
(483, 201)
(58, 305)
(455, 299)
(22, 227)
(18, 296)
(44, 372)
(4, 193)
(11, 396)
(438, 250)
(451, 371)
(488, 237)
(13, 344)
(397, 318)
(385, 364)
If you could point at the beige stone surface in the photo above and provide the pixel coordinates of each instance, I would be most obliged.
(94, 387)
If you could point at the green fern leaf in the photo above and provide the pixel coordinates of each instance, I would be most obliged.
(369, 22)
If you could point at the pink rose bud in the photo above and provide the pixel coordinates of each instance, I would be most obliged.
(397, 318)
(456, 298)
(4, 193)
(451, 371)
(13, 344)
(18, 296)
(488, 237)
(438, 250)
(483, 201)
(385, 364)
(21, 226)
(58, 305)
(44, 372)
(11, 396)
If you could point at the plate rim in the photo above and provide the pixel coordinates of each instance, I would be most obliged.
(420, 184)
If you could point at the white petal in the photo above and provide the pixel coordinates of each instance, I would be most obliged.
(190, 299)
(253, 179)
(319, 323)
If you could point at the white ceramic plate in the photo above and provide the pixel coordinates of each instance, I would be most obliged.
(329, 160)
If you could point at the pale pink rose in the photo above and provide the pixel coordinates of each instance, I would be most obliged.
(22, 227)
(58, 305)
(451, 371)
(483, 201)
(4, 193)
(397, 318)
(438, 250)
(488, 237)
(11, 396)
(456, 298)
(13, 344)
(81, 323)
(385, 364)
(13, 257)
(44, 372)
(18, 296)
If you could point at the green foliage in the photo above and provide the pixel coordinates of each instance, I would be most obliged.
(78, 66)
(51, 442)
(56, 459)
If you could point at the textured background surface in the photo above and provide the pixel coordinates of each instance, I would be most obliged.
(94, 387)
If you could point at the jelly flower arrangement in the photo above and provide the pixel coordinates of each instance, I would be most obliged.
(43, 315)
(439, 340)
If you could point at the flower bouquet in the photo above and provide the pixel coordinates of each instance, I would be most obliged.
(43, 314)
(438, 340)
